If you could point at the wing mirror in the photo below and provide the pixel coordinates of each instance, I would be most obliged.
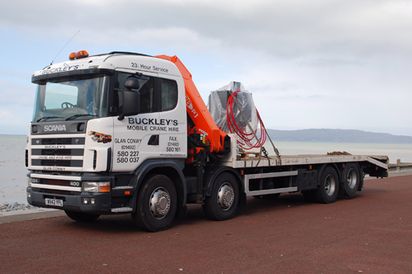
(131, 83)
(130, 98)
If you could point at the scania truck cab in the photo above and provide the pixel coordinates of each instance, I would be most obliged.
(129, 133)
(86, 141)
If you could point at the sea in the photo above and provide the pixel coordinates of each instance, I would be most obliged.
(13, 180)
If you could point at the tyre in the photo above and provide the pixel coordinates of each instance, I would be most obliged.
(328, 189)
(351, 179)
(224, 199)
(81, 216)
(156, 204)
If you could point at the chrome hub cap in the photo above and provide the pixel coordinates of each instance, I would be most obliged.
(159, 203)
(351, 178)
(330, 185)
(225, 196)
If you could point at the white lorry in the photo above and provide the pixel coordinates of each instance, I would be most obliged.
(129, 133)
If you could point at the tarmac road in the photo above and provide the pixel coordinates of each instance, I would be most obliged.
(369, 234)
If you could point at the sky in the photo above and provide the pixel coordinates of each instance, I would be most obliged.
(310, 64)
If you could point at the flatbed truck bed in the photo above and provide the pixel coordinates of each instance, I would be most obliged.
(293, 173)
(306, 159)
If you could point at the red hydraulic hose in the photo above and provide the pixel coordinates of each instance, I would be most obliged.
(247, 140)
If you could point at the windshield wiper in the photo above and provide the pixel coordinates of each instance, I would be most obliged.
(79, 115)
(46, 117)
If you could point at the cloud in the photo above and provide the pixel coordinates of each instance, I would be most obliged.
(319, 63)
(279, 28)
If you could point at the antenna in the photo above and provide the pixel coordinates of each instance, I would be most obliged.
(64, 46)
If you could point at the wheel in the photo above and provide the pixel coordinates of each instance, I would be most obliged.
(328, 189)
(351, 180)
(267, 197)
(224, 199)
(156, 204)
(81, 216)
(67, 105)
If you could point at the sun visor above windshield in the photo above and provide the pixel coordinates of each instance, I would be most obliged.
(38, 79)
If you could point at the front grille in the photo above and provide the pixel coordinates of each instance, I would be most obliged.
(72, 163)
(58, 141)
(62, 154)
(58, 182)
(55, 191)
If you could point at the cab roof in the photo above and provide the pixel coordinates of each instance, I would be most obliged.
(106, 62)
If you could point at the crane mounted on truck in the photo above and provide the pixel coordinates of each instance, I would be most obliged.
(129, 133)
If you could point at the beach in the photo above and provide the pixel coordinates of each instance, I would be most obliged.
(12, 173)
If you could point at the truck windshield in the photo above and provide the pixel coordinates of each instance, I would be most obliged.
(68, 99)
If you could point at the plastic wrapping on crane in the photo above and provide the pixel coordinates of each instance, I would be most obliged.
(234, 111)
(244, 111)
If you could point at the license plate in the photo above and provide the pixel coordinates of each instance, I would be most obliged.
(53, 202)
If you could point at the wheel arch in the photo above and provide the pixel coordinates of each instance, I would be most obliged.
(169, 167)
(213, 173)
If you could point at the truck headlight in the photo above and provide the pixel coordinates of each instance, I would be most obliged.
(102, 187)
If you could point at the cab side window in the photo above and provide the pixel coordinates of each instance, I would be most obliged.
(147, 96)
(168, 94)
(156, 94)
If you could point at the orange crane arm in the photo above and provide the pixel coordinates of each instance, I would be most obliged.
(197, 109)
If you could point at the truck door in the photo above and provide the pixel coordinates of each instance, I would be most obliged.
(158, 131)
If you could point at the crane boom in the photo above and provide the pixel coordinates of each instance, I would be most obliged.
(197, 109)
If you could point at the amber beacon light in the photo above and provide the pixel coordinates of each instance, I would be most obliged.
(78, 55)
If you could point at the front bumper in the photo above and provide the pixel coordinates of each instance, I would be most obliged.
(69, 190)
(102, 201)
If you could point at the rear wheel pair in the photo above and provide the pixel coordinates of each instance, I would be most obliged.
(330, 186)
